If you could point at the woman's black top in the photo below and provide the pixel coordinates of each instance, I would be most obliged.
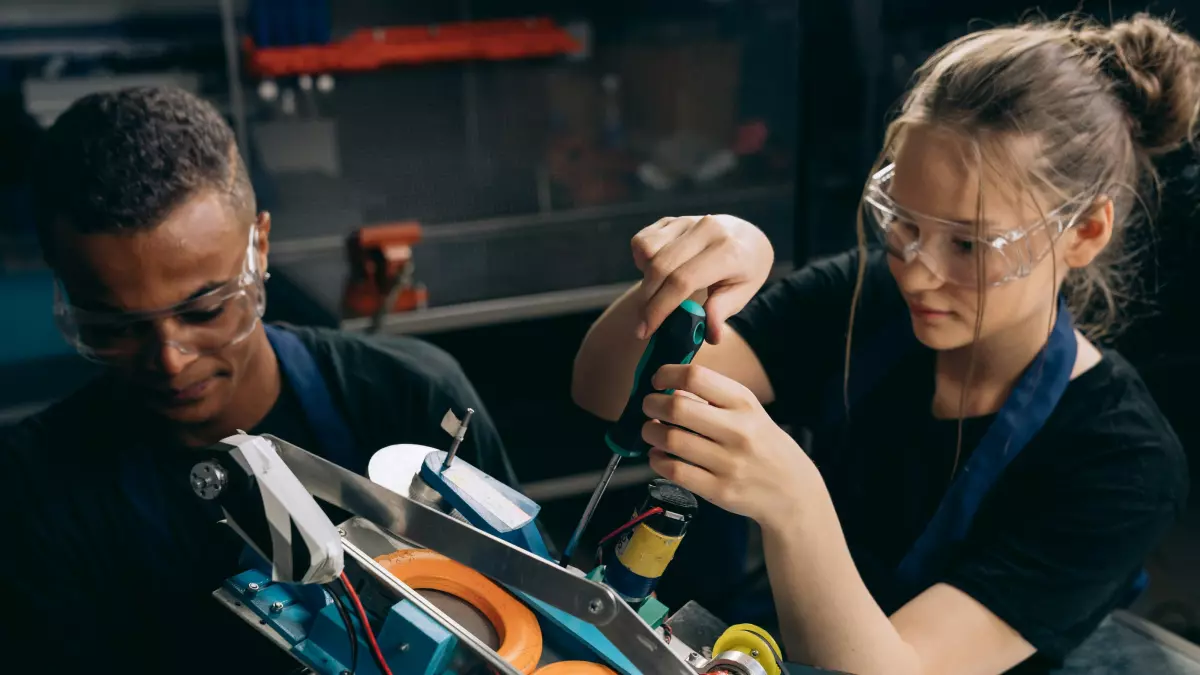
(1059, 540)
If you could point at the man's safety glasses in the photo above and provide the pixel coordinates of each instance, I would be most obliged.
(954, 251)
(201, 325)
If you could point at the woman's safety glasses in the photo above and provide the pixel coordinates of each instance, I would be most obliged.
(957, 252)
(201, 325)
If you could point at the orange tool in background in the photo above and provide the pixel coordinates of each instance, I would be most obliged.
(382, 272)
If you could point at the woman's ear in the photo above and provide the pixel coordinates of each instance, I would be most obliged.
(1091, 233)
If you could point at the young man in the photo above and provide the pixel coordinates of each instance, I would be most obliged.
(148, 219)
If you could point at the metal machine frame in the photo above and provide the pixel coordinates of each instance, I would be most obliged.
(411, 521)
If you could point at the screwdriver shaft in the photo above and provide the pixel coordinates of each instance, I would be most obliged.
(591, 508)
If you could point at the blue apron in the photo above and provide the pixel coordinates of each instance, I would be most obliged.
(300, 368)
(302, 374)
(1023, 414)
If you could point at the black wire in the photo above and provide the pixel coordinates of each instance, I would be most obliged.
(350, 630)
(383, 668)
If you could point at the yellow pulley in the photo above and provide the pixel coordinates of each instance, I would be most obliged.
(753, 642)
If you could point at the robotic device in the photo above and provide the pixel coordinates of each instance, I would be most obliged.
(445, 568)
(454, 581)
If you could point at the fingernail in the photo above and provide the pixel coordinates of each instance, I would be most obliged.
(641, 331)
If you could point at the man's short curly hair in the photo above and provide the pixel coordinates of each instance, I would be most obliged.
(124, 160)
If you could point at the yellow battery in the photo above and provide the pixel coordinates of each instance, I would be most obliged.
(647, 552)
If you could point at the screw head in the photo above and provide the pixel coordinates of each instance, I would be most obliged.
(695, 660)
(404, 647)
(208, 479)
(754, 653)
(595, 606)
(342, 531)
(277, 606)
(252, 587)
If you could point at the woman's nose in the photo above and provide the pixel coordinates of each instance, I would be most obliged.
(913, 273)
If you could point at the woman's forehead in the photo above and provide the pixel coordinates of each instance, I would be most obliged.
(941, 175)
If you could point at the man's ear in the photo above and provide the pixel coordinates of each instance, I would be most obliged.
(262, 245)
(1091, 233)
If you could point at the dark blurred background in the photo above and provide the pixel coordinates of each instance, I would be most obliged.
(529, 174)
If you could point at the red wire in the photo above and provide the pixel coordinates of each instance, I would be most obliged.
(652, 512)
(362, 616)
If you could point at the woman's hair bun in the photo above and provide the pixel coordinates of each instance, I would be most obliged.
(1156, 69)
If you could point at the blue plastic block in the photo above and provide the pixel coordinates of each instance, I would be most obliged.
(294, 615)
(430, 647)
(520, 532)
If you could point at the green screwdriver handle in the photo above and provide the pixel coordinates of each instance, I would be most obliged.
(676, 341)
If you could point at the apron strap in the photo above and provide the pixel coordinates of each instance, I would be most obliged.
(304, 377)
(1023, 415)
(138, 479)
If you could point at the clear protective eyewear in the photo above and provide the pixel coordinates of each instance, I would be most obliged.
(955, 251)
(201, 325)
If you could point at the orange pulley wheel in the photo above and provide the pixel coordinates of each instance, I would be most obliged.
(516, 626)
(575, 668)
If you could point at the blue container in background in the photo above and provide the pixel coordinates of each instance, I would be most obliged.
(29, 333)
(290, 23)
(37, 366)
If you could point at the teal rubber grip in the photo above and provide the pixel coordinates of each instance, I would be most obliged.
(675, 342)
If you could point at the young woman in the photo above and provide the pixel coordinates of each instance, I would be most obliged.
(984, 481)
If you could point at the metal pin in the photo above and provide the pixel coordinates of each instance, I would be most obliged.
(458, 438)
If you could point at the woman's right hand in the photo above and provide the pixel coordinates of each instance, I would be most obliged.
(725, 256)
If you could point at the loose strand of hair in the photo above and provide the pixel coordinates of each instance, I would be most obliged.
(980, 289)
(893, 131)
(859, 277)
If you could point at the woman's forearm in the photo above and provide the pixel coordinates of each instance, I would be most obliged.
(604, 366)
(827, 616)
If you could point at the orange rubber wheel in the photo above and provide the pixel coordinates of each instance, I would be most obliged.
(575, 668)
(517, 627)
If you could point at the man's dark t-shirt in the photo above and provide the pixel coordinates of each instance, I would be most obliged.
(1060, 538)
(89, 578)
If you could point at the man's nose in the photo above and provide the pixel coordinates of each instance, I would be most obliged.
(172, 360)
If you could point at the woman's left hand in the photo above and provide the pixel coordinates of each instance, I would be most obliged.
(729, 450)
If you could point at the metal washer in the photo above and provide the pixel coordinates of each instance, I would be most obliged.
(735, 663)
